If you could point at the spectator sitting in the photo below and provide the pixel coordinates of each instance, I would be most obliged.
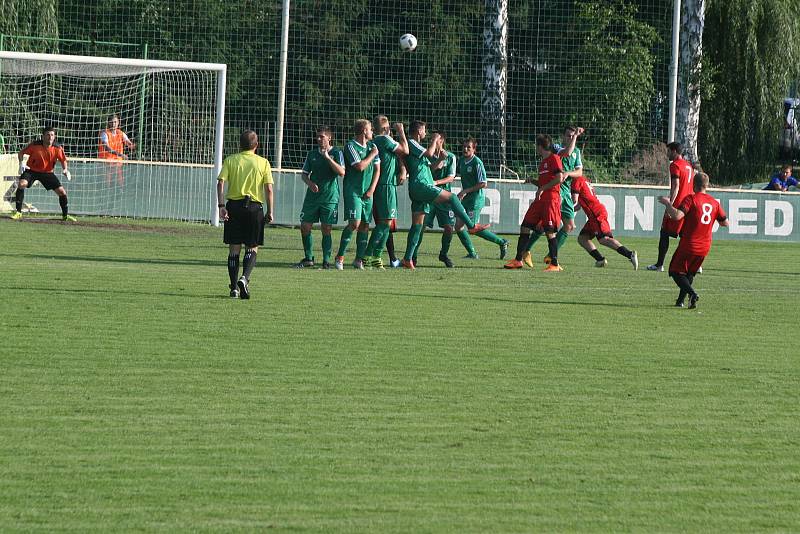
(782, 180)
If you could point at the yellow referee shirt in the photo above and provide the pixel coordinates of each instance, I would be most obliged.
(246, 174)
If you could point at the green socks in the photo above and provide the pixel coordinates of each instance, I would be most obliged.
(347, 233)
(460, 212)
(362, 239)
(463, 236)
(447, 238)
(414, 234)
(561, 236)
(308, 246)
(489, 236)
(378, 240)
(327, 247)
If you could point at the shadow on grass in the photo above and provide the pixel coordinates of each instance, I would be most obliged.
(223, 295)
(221, 262)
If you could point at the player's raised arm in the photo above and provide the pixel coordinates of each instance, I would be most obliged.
(433, 146)
(402, 150)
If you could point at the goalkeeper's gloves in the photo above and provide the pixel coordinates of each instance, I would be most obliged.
(22, 168)
(67, 175)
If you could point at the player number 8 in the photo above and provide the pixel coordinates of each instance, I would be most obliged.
(706, 217)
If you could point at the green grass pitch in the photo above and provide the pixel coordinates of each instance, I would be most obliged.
(136, 395)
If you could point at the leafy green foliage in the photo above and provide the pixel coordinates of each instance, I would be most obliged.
(741, 121)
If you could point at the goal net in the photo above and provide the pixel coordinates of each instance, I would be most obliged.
(143, 138)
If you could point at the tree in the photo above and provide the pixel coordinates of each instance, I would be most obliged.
(690, 73)
(741, 121)
(495, 82)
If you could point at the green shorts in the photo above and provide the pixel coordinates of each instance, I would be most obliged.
(443, 215)
(357, 208)
(473, 204)
(313, 211)
(422, 195)
(385, 202)
(567, 209)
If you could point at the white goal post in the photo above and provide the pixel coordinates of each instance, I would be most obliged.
(171, 111)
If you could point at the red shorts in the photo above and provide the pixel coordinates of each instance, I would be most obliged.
(543, 217)
(684, 262)
(671, 226)
(597, 227)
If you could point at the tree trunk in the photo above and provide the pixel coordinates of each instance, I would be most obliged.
(687, 120)
(495, 80)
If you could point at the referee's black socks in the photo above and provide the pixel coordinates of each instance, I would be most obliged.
(233, 268)
(62, 201)
(20, 195)
(249, 262)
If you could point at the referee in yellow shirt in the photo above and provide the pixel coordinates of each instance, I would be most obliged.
(249, 180)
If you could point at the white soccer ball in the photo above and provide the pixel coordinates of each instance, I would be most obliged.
(408, 42)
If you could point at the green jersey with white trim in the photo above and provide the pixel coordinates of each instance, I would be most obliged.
(418, 164)
(472, 173)
(321, 173)
(356, 181)
(449, 169)
(389, 160)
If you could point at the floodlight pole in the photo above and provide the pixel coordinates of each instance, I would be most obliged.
(282, 87)
(673, 69)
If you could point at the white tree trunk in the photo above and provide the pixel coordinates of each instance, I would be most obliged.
(495, 76)
(687, 120)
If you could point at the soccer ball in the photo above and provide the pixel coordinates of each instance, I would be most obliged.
(408, 42)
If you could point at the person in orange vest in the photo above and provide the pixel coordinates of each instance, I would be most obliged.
(111, 146)
(41, 162)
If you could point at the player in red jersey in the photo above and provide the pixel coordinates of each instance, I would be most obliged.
(681, 173)
(698, 213)
(596, 224)
(42, 157)
(544, 214)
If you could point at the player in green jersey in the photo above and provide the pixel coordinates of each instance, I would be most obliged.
(423, 193)
(362, 171)
(321, 170)
(473, 181)
(443, 168)
(392, 174)
(570, 156)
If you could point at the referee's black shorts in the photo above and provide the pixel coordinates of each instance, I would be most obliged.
(47, 179)
(245, 225)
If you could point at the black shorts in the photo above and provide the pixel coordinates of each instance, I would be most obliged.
(245, 225)
(47, 179)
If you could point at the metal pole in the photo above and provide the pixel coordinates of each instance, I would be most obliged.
(282, 87)
(218, 142)
(673, 69)
(143, 92)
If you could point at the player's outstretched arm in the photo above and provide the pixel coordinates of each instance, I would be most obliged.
(671, 211)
